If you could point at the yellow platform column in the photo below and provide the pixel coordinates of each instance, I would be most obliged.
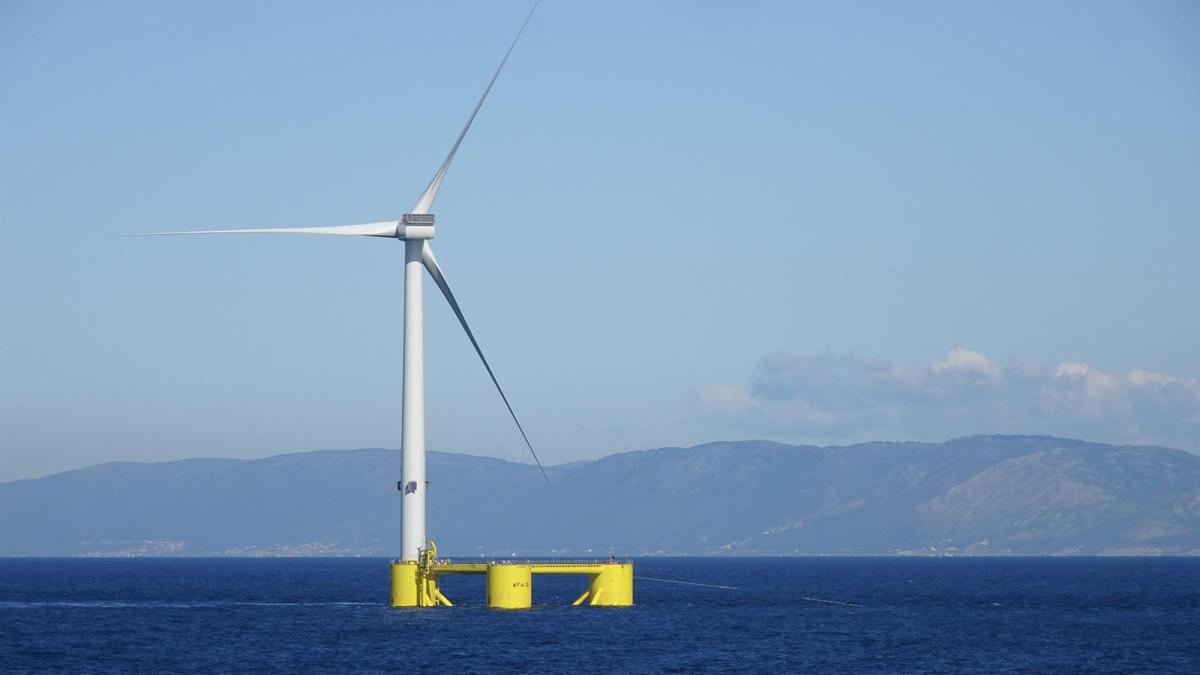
(612, 587)
(509, 586)
(406, 584)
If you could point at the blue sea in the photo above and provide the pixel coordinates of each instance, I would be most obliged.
(855, 615)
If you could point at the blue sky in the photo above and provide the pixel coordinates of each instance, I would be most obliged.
(673, 222)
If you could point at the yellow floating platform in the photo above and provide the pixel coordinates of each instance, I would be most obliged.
(509, 584)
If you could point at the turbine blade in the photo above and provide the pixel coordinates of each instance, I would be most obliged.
(426, 201)
(440, 279)
(382, 229)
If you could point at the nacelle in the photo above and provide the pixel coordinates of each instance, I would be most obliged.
(416, 226)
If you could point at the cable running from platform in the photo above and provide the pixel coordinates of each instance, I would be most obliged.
(688, 583)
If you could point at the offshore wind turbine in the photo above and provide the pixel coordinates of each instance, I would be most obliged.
(415, 229)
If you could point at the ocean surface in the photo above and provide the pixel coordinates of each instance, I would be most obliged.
(783, 614)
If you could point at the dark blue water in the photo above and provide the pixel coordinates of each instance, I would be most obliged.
(947, 615)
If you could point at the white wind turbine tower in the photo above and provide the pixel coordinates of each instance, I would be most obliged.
(415, 229)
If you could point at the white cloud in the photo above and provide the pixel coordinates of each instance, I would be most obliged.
(1071, 368)
(727, 397)
(966, 360)
(846, 397)
(1141, 377)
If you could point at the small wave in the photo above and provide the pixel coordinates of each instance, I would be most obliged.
(308, 604)
(831, 602)
(161, 604)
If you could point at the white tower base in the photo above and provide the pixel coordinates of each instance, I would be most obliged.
(412, 449)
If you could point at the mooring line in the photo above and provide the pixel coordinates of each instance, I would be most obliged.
(688, 583)
(830, 602)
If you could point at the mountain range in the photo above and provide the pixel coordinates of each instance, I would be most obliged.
(979, 495)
